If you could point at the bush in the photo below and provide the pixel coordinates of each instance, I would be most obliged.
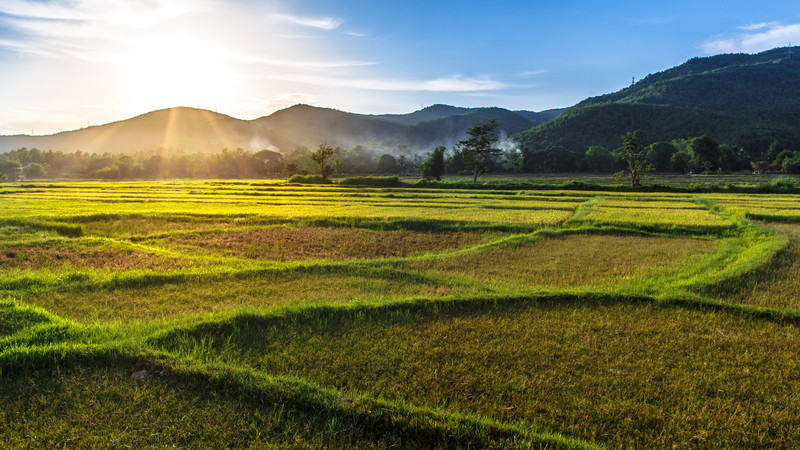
(393, 181)
(308, 179)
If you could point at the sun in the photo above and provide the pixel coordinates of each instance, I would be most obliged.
(162, 73)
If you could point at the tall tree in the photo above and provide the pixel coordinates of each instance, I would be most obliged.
(704, 152)
(433, 167)
(633, 155)
(478, 151)
(323, 158)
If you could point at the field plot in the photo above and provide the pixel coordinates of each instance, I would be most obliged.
(296, 243)
(784, 208)
(656, 212)
(236, 314)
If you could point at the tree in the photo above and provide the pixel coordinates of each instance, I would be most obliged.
(291, 168)
(323, 158)
(704, 152)
(9, 168)
(599, 159)
(35, 170)
(659, 154)
(791, 165)
(633, 155)
(680, 161)
(387, 164)
(433, 167)
(477, 151)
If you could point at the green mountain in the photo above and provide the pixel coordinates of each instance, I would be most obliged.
(198, 130)
(738, 99)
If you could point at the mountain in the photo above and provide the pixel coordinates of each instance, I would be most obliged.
(738, 99)
(189, 128)
(449, 130)
(424, 115)
(198, 130)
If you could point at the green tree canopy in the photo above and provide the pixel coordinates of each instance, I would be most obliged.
(659, 154)
(599, 159)
(433, 167)
(323, 158)
(704, 153)
(387, 164)
(478, 152)
(633, 155)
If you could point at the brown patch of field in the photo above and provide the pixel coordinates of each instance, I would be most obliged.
(573, 260)
(287, 243)
(62, 255)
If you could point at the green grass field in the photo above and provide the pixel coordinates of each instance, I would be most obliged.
(257, 314)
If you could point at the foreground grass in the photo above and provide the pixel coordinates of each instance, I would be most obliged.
(621, 373)
(130, 401)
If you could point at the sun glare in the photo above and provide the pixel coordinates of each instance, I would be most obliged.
(182, 72)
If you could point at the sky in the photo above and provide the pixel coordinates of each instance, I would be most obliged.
(68, 64)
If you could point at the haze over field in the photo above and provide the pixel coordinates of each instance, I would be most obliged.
(68, 64)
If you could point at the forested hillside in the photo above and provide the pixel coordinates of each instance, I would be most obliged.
(746, 101)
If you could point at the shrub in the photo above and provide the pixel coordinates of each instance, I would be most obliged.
(393, 181)
(308, 179)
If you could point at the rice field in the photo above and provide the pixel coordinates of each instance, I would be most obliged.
(258, 314)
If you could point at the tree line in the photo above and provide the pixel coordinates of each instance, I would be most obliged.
(475, 155)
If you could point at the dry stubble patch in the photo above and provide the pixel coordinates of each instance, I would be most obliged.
(58, 255)
(289, 244)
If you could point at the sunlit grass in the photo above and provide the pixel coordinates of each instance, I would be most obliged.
(654, 213)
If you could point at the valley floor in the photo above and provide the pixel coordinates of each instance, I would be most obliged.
(256, 314)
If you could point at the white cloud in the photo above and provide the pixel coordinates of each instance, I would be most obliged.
(455, 83)
(759, 26)
(101, 14)
(325, 23)
(84, 29)
(531, 73)
(762, 36)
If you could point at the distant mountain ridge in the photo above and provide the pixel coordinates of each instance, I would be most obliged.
(739, 99)
(198, 130)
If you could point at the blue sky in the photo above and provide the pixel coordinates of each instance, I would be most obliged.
(68, 63)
